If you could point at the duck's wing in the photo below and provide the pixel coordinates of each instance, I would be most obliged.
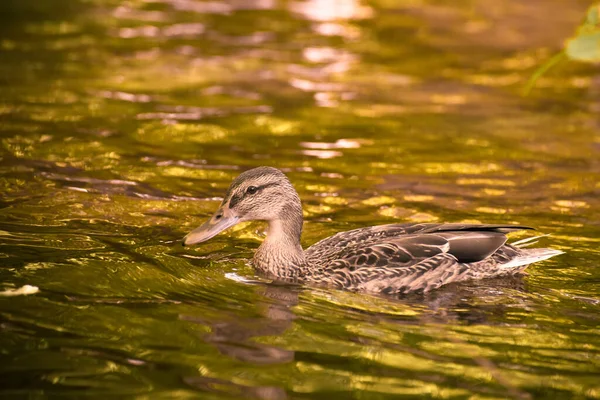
(469, 241)
(424, 259)
(396, 266)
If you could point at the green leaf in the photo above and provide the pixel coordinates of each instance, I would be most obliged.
(593, 16)
(584, 47)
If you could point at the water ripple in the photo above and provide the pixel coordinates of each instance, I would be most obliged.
(183, 113)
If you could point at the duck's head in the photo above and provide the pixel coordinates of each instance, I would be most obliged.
(262, 193)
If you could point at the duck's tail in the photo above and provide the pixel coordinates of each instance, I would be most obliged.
(527, 241)
(528, 256)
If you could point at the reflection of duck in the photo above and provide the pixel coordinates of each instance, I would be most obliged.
(395, 258)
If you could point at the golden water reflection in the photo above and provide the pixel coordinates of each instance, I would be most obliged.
(331, 10)
(123, 126)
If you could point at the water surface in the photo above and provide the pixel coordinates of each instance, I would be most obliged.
(122, 124)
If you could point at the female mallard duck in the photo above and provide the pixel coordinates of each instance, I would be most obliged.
(395, 258)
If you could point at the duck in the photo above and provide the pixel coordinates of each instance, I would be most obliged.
(396, 258)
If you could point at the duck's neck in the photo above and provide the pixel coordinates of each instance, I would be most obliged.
(281, 254)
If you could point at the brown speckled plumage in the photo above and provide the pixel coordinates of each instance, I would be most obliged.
(395, 258)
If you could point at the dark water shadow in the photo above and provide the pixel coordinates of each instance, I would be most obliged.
(233, 336)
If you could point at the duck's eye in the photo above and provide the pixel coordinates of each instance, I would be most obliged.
(251, 189)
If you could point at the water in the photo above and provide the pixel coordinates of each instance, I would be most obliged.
(122, 124)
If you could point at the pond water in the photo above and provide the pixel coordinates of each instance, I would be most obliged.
(123, 122)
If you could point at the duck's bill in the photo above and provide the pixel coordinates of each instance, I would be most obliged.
(215, 225)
